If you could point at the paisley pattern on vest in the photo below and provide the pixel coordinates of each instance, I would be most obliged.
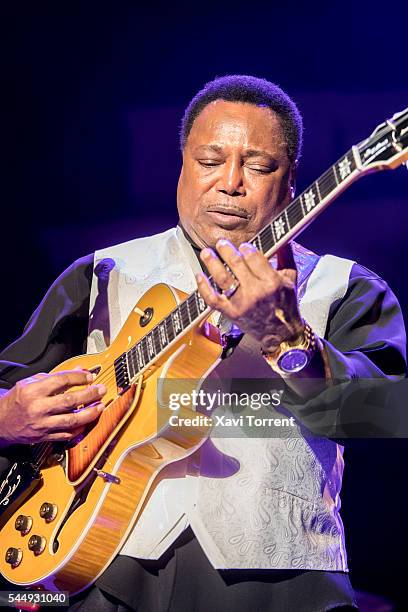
(251, 502)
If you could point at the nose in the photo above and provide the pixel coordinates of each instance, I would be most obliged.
(231, 180)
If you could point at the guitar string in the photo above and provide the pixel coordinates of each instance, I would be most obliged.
(326, 180)
(323, 181)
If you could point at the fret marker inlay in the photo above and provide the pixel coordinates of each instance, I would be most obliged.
(177, 322)
(310, 200)
(344, 168)
(279, 227)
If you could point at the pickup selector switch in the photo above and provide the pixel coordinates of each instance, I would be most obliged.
(23, 523)
(48, 511)
(14, 556)
(37, 544)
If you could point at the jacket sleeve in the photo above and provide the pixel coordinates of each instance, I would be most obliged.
(365, 345)
(365, 335)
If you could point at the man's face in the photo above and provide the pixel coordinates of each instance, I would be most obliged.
(236, 174)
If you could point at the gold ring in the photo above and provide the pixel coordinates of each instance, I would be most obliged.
(231, 290)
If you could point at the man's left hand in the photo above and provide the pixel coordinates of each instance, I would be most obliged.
(265, 303)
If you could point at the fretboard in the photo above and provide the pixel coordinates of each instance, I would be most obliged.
(285, 226)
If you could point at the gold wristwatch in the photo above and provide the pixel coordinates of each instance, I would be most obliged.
(293, 357)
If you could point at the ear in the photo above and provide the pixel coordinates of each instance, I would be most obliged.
(292, 178)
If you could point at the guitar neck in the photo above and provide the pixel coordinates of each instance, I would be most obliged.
(284, 227)
(293, 219)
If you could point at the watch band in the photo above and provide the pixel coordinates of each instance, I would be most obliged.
(293, 357)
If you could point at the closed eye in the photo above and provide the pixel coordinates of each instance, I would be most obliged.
(261, 169)
(208, 163)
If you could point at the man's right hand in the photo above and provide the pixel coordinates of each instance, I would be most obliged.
(41, 408)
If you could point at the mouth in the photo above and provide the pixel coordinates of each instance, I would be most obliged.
(227, 217)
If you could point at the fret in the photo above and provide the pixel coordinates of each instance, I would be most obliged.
(287, 218)
(170, 330)
(296, 212)
(192, 307)
(335, 174)
(156, 340)
(184, 315)
(139, 356)
(318, 190)
(266, 239)
(327, 183)
(145, 351)
(187, 310)
(257, 243)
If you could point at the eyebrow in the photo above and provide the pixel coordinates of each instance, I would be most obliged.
(257, 153)
(212, 147)
(247, 153)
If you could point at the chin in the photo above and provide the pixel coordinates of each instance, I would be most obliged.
(216, 233)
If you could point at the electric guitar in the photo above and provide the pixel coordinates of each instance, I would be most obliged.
(67, 509)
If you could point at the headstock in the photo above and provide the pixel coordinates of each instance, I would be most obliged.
(387, 147)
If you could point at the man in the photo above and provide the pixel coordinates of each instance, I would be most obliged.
(258, 525)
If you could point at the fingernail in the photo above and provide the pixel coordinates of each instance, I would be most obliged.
(247, 246)
(206, 253)
(101, 407)
(101, 389)
(90, 377)
(223, 242)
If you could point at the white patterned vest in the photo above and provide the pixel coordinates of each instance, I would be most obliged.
(268, 503)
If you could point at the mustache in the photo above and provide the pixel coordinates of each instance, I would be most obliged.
(230, 209)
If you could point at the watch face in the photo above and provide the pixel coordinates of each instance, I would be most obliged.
(293, 361)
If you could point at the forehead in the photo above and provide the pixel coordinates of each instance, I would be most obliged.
(235, 124)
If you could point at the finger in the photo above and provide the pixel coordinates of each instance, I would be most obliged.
(285, 258)
(70, 400)
(211, 297)
(65, 436)
(256, 262)
(73, 420)
(234, 259)
(61, 381)
(289, 277)
(216, 268)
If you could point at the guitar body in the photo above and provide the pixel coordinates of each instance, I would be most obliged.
(63, 524)
(98, 489)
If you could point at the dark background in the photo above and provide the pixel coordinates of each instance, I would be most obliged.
(93, 95)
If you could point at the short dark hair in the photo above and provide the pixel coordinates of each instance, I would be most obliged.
(249, 90)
